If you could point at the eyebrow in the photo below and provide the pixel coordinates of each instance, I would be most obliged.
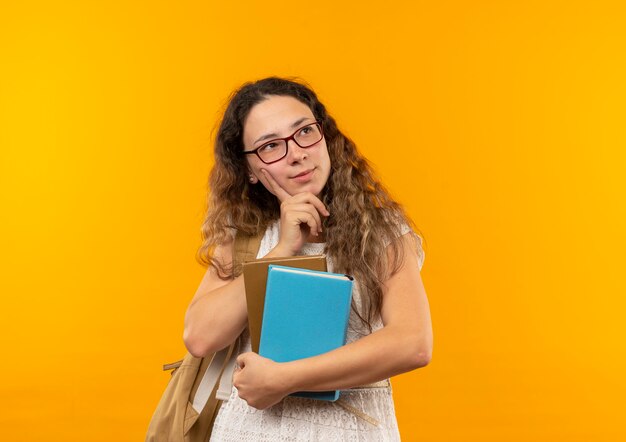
(275, 135)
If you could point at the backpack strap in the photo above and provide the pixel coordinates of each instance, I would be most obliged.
(222, 365)
(245, 249)
(214, 370)
(226, 381)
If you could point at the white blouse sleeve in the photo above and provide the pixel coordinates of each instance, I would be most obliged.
(421, 255)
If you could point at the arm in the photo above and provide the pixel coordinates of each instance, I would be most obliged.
(403, 344)
(217, 313)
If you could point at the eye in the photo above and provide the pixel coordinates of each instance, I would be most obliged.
(267, 147)
(306, 130)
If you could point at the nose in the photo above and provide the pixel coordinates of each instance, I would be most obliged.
(295, 153)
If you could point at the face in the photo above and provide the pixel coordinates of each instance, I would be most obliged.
(303, 169)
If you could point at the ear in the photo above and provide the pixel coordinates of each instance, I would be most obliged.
(251, 177)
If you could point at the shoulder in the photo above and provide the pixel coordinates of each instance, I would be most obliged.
(417, 244)
(409, 240)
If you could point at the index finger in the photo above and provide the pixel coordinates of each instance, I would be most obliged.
(280, 193)
(309, 198)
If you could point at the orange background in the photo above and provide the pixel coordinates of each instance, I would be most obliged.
(499, 125)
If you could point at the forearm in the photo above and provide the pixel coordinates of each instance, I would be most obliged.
(382, 354)
(216, 318)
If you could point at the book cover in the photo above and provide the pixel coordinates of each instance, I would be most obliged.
(255, 281)
(306, 314)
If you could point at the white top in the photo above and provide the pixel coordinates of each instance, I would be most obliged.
(302, 419)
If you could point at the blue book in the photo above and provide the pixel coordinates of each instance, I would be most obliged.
(306, 314)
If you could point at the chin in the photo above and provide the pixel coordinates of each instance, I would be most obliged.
(309, 187)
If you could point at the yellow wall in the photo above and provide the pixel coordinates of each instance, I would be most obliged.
(499, 125)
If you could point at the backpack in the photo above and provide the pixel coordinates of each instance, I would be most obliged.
(193, 396)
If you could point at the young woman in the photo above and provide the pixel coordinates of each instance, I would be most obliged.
(283, 167)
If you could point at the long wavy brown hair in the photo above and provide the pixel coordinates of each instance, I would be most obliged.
(364, 218)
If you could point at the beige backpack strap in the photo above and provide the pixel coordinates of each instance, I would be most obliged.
(213, 372)
(226, 381)
(246, 249)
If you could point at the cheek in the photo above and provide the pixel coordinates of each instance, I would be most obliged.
(326, 159)
(276, 172)
(263, 182)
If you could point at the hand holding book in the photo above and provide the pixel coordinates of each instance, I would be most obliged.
(260, 381)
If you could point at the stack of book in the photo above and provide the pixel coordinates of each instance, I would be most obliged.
(296, 310)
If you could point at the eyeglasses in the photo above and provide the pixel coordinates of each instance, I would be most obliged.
(276, 150)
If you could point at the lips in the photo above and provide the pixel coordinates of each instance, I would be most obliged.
(306, 172)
